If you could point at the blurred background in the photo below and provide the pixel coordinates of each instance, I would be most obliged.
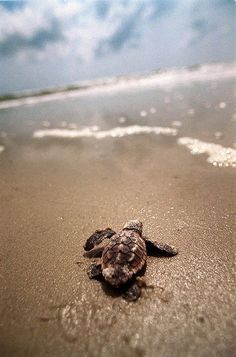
(53, 43)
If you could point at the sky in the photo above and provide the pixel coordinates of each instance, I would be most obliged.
(48, 43)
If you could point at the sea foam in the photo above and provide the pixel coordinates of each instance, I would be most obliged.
(217, 154)
(2, 148)
(116, 132)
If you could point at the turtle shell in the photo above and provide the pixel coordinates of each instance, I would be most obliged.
(123, 256)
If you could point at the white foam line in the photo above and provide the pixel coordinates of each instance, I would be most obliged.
(2, 148)
(217, 154)
(117, 132)
(166, 79)
(176, 123)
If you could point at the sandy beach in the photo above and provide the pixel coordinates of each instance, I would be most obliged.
(71, 166)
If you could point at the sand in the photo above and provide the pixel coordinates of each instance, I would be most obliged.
(55, 192)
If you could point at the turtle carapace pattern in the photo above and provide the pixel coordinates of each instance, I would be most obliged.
(124, 256)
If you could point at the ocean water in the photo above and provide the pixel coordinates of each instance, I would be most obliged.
(197, 103)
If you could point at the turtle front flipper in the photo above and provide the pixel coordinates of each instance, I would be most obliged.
(161, 248)
(94, 270)
(97, 237)
(94, 253)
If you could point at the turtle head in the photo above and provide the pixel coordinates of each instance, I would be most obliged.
(135, 225)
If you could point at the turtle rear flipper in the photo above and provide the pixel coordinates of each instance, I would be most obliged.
(95, 270)
(97, 237)
(161, 248)
(134, 291)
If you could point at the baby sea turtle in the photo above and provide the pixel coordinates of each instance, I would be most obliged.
(124, 256)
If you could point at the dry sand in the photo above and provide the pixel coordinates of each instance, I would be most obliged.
(55, 192)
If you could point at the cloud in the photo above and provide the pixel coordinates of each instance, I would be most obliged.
(89, 28)
(210, 18)
(12, 5)
(134, 18)
(94, 38)
(102, 7)
(35, 27)
(17, 42)
(162, 7)
(127, 29)
(201, 28)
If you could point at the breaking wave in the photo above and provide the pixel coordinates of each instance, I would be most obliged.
(162, 79)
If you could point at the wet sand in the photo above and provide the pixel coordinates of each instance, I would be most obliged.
(55, 192)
